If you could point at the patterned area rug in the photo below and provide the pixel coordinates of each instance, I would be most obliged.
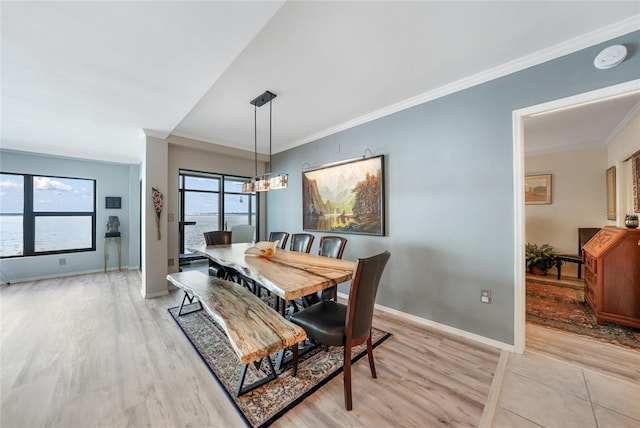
(262, 406)
(565, 309)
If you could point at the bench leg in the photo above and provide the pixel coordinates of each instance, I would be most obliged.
(190, 299)
(240, 389)
(294, 359)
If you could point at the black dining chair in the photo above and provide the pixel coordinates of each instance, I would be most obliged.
(281, 237)
(584, 235)
(334, 324)
(301, 242)
(219, 237)
(331, 246)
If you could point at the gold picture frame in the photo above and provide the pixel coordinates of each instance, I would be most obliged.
(537, 189)
(347, 197)
(611, 193)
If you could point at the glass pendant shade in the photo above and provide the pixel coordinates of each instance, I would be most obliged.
(247, 187)
(261, 185)
(280, 181)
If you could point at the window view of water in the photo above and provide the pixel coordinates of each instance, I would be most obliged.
(59, 233)
(62, 233)
(193, 234)
(52, 234)
(10, 235)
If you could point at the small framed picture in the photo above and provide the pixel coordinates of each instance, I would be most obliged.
(611, 193)
(537, 189)
(112, 202)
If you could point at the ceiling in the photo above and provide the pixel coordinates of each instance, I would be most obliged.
(83, 79)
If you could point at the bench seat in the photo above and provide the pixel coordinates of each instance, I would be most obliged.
(255, 331)
(253, 328)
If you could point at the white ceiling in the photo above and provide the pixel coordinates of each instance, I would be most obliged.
(83, 79)
(588, 125)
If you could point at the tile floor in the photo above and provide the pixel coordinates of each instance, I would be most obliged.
(538, 391)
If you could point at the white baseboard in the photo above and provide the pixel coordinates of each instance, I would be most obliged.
(442, 327)
(62, 275)
(152, 295)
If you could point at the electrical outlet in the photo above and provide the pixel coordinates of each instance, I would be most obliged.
(485, 296)
(170, 262)
(62, 261)
(170, 217)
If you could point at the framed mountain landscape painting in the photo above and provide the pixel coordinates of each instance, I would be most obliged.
(345, 198)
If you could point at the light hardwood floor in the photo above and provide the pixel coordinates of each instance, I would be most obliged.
(89, 351)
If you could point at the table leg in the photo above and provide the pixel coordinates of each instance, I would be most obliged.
(106, 254)
(119, 241)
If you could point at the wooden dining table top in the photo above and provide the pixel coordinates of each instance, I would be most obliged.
(287, 274)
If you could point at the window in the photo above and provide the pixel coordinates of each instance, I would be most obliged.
(211, 202)
(46, 215)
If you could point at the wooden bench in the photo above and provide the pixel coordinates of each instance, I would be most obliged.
(254, 329)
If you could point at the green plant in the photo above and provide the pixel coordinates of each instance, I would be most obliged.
(542, 257)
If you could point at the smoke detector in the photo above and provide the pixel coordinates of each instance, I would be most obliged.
(610, 57)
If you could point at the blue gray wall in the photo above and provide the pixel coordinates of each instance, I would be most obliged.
(449, 190)
(112, 179)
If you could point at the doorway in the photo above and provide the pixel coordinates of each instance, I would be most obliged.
(519, 118)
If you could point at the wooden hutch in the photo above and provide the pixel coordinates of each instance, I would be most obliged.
(612, 275)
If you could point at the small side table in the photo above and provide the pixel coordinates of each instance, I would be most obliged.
(118, 241)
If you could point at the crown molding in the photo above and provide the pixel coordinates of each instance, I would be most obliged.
(153, 133)
(633, 113)
(565, 48)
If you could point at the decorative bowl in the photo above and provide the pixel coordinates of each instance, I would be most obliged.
(262, 249)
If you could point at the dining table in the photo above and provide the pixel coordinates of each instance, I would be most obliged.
(287, 274)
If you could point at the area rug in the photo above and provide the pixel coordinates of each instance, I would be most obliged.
(262, 406)
(565, 310)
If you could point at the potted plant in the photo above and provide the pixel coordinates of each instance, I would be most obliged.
(539, 258)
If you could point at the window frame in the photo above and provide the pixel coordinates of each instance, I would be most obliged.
(221, 192)
(29, 217)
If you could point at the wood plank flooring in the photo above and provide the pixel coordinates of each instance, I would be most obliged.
(90, 351)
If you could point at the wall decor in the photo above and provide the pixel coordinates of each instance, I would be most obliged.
(537, 189)
(112, 202)
(635, 181)
(611, 193)
(346, 197)
(157, 197)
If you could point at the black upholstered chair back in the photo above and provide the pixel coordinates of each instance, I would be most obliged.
(217, 237)
(301, 242)
(282, 237)
(332, 246)
(584, 234)
(362, 296)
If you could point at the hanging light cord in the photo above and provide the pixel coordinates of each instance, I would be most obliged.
(255, 140)
(270, 136)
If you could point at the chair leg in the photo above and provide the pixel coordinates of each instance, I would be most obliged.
(347, 377)
(372, 365)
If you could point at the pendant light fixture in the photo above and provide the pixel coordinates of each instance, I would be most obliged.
(269, 180)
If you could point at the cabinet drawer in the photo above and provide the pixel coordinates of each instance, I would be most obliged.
(590, 280)
(590, 263)
(590, 295)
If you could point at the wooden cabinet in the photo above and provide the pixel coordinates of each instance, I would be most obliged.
(612, 275)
